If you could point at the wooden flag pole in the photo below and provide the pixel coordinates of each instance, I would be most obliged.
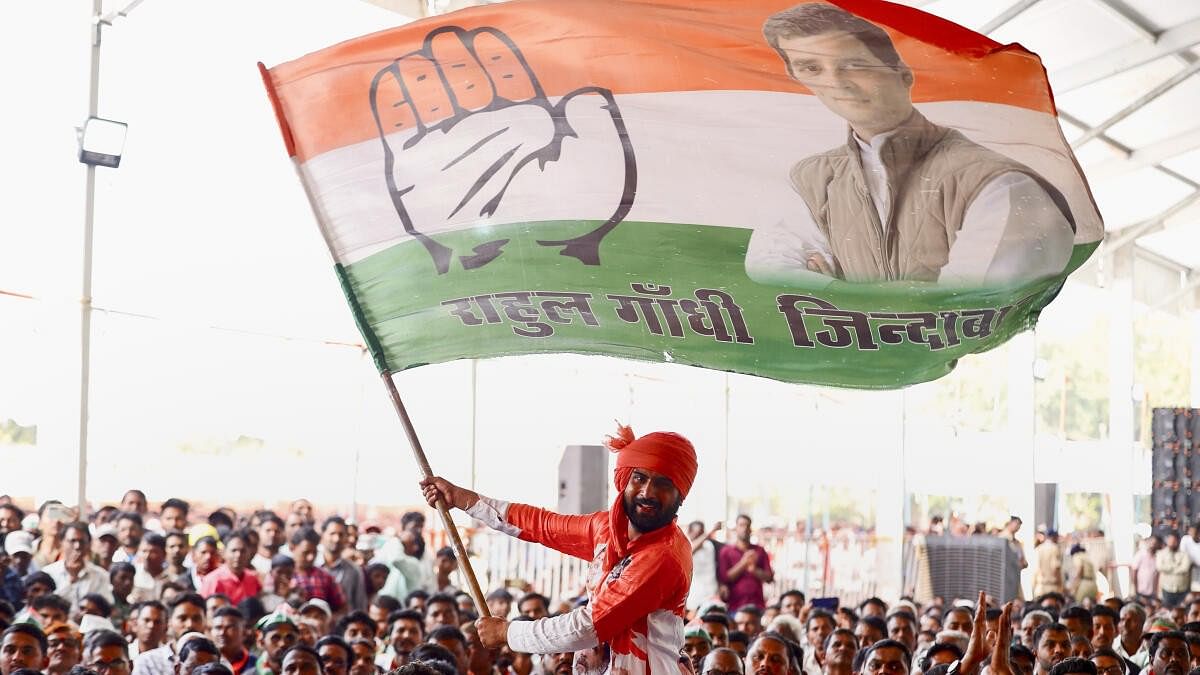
(464, 564)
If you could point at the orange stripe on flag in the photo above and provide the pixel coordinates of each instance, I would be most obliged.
(326, 100)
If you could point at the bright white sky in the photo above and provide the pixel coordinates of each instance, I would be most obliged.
(205, 225)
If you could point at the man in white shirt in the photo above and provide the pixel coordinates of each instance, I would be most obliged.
(74, 576)
(270, 541)
(1129, 644)
(151, 566)
(1190, 544)
(129, 535)
(704, 565)
(903, 199)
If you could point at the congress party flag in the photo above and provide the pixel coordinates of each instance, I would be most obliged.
(840, 192)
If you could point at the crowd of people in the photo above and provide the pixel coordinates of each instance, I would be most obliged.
(169, 593)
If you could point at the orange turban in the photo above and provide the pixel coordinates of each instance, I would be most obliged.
(662, 452)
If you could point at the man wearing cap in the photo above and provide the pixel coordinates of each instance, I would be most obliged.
(641, 562)
(697, 644)
(105, 545)
(318, 612)
(716, 624)
(64, 648)
(277, 633)
(20, 547)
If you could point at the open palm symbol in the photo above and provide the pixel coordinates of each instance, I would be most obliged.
(470, 139)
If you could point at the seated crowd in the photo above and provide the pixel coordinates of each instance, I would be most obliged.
(275, 595)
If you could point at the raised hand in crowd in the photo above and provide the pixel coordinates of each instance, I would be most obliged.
(977, 646)
(1001, 641)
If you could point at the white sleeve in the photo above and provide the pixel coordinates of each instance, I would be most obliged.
(1012, 231)
(1191, 547)
(564, 633)
(778, 252)
(493, 513)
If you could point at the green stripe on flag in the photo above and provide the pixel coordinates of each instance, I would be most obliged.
(373, 345)
(410, 315)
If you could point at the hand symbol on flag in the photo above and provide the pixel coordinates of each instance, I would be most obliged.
(471, 140)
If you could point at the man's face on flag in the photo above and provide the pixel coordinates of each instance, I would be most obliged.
(650, 500)
(849, 79)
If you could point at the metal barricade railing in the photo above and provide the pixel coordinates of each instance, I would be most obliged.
(841, 564)
(505, 560)
(838, 564)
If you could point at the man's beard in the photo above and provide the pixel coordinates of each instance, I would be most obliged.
(649, 523)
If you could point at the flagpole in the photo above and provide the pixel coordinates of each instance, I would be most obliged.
(464, 563)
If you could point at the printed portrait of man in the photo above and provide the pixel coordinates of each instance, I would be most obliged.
(902, 198)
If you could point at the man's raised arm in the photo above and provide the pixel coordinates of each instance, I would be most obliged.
(572, 535)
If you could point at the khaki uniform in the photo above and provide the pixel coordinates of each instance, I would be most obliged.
(1047, 572)
(1083, 577)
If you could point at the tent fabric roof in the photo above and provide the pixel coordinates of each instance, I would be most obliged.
(1124, 75)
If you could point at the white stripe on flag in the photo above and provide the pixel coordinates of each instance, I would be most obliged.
(707, 158)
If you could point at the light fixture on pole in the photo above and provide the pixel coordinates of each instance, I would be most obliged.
(101, 142)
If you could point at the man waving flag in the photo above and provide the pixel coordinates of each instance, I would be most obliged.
(641, 562)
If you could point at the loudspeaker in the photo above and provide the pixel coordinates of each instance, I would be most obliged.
(960, 567)
(583, 479)
(1175, 453)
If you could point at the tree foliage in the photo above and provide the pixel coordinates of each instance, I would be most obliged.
(15, 434)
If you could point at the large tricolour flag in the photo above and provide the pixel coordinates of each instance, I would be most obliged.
(847, 192)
